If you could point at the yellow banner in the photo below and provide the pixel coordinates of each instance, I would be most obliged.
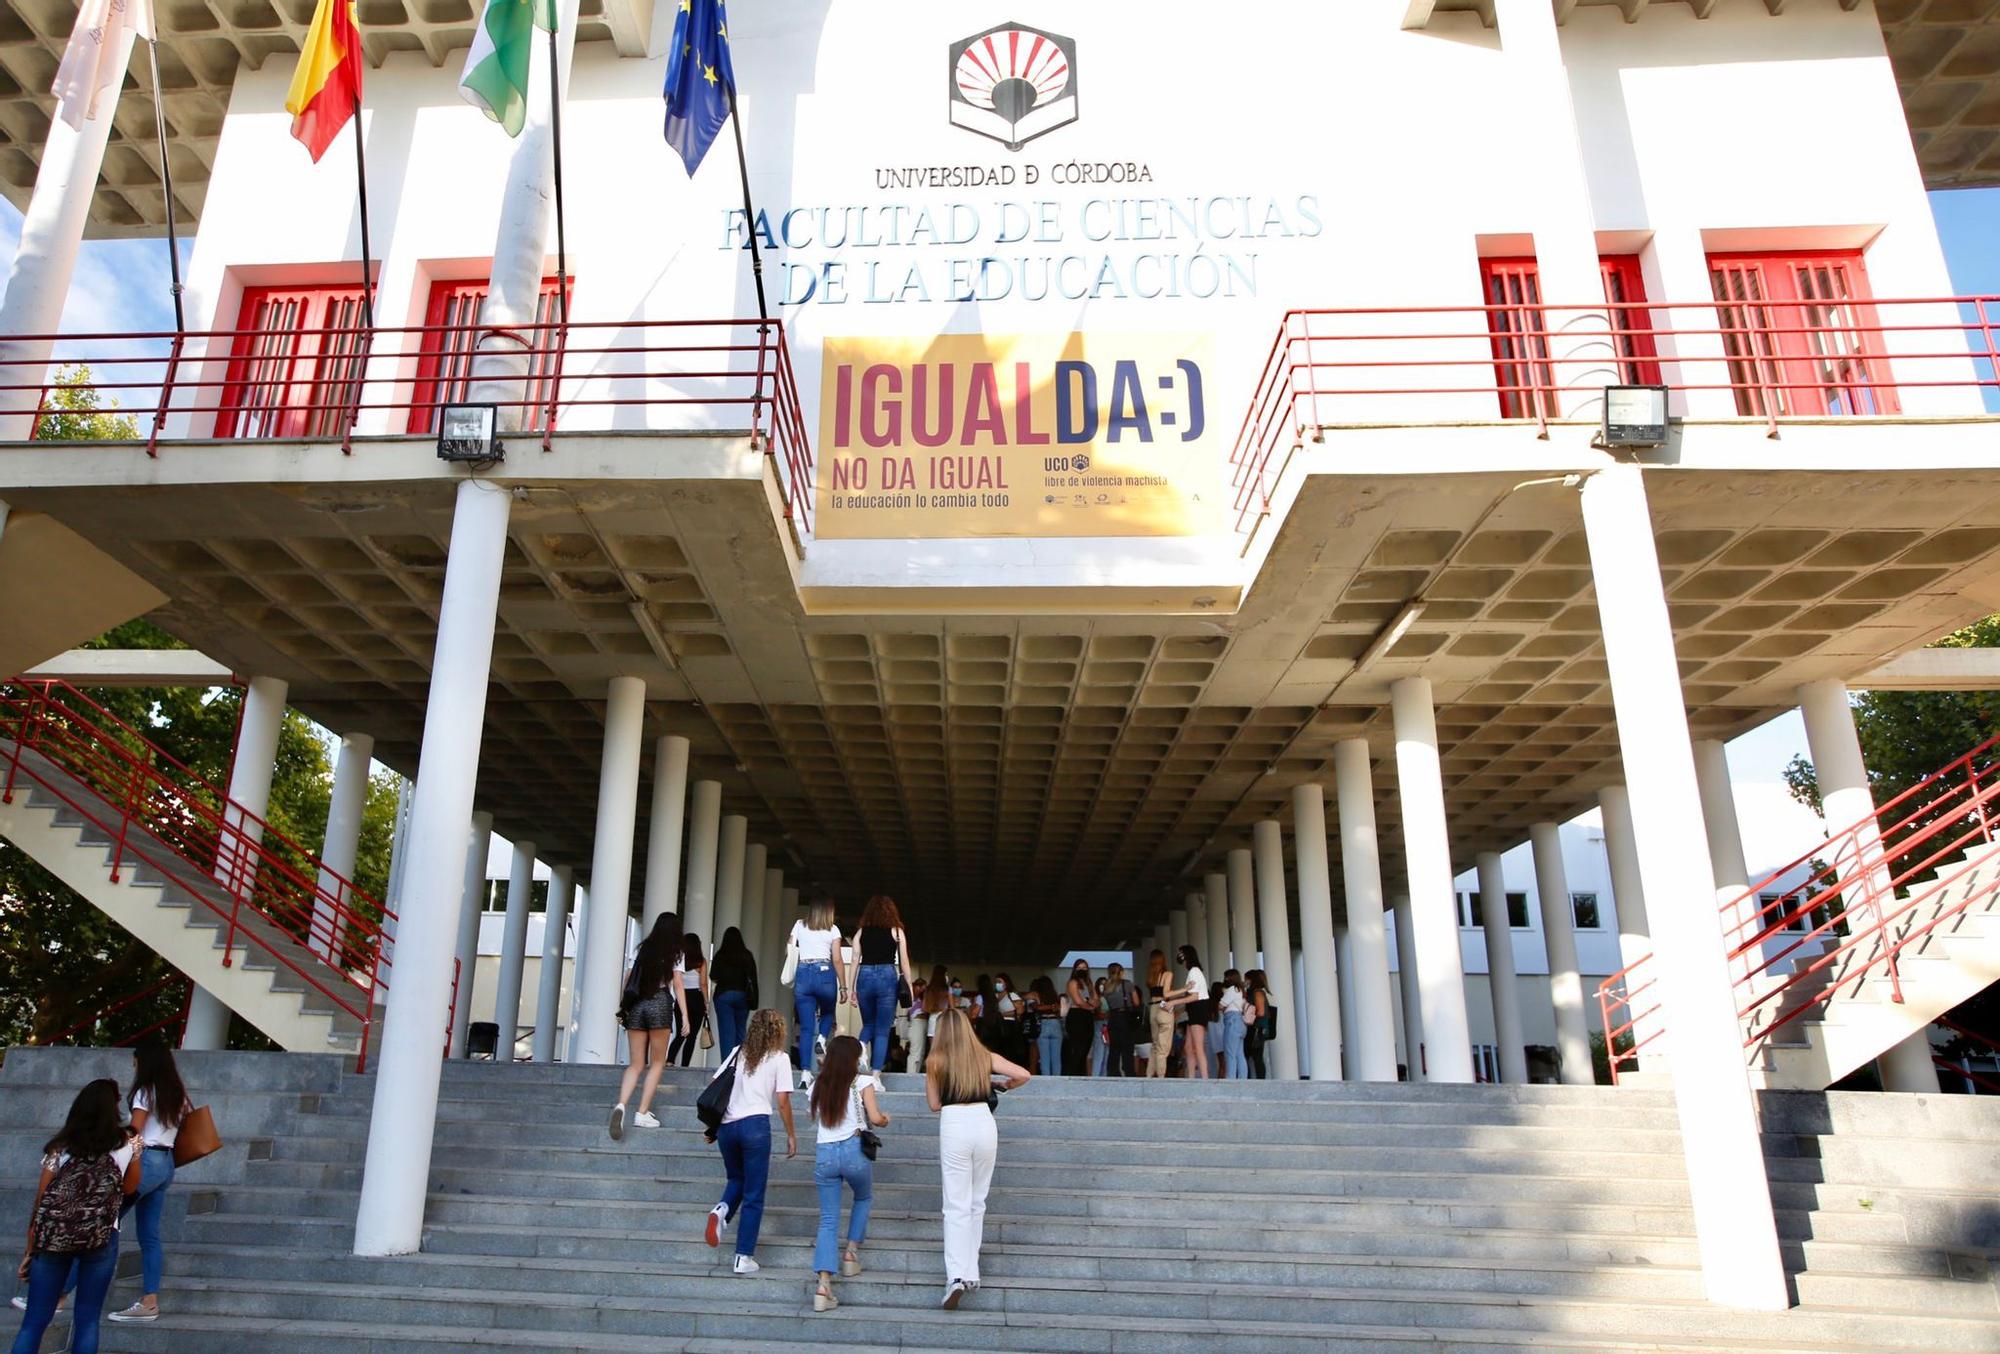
(968, 435)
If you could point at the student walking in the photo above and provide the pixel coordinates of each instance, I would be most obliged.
(1011, 1007)
(732, 978)
(1080, 1021)
(159, 1102)
(1191, 997)
(1234, 1027)
(1121, 1012)
(843, 1104)
(923, 1020)
(878, 961)
(655, 995)
(89, 1168)
(1100, 1035)
(816, 990)
(1161, 1013)
(763, 1084)
(959, 1087)
(694, 976)
(1258, 1016)
(1045, 1014)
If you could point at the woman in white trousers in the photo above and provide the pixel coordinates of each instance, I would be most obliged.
(958, 1078)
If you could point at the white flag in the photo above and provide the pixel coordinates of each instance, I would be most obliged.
(92, 63)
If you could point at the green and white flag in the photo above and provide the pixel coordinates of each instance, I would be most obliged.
(496, 69)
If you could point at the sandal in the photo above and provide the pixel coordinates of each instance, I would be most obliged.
(850, 1263)
(824, 1300)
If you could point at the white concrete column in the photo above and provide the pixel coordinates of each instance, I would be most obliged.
(1845, 796)
(1343, 965)
(1322, 994)
(340, 844)
(663, 836)
(1242, 910)
(1725, 849)
(399, 860)
(472, 893)
(771, 940)
(731, 858)
(514, 951)
(788, 912)
(1215, 898)
(45, 260)
(1728, 1188)
(1177, 929)
(521, 245)
(250, 773)
(704, 836)
(580, 925)
(1371, 1035)
(1303, 1028)
(1907, 1067)
(1559, 935)
(1433, 901)
(390, 1217)
(548, 993)
(611, 870)
(1411, 990)
(1274, 925)
(1500, 973)
(755, 875)
(1635, 932)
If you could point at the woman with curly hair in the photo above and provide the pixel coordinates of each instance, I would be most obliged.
(763, 1084)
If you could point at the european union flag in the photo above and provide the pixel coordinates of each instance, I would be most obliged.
(700, 84)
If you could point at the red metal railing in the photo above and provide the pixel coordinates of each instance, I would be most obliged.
(1861, 905)
(177, 1018)
(1760, 361)
(270, 894)
(321, 383)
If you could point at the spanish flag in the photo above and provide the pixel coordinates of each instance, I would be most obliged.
(326, 88)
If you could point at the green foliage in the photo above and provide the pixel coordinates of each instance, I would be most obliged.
(1600, 1058)
(77, 411)
(61, 960)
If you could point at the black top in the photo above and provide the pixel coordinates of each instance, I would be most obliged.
(725, 975)
(1159, 993)
(878, 945)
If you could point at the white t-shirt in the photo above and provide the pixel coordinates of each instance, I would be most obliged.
(851, 1121)
(757, 1088)
(815, 947)
(1197, 983)
(155, 1133)
(121, 1157)
(1232, 999)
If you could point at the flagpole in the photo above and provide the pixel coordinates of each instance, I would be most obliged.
(749, 213)
(555, 141)
(361, 187)
(167, 186)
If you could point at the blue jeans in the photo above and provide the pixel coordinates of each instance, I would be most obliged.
(875, 994)
(1099, 1049)
(746, 1156)
(1233, 1030)
(732, 1017)
(48, 1275)
(156, 1172)
(813, 996)
(836, 1162)
(1049, 1041)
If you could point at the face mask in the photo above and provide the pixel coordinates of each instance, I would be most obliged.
(999, 987)
(956, 989)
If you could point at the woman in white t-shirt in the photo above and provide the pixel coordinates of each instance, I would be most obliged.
(763, 1084)
(1235, 1066)
(843, 1103)
(1191, 999)
(816, 986)
(93, 1159)
(159, 1103)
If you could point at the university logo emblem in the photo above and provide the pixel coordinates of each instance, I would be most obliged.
(1013, 83)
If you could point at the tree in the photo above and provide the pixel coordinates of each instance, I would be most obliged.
(75, 410)
(61, 960)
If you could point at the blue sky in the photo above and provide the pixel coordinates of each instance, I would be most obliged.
(122, 286)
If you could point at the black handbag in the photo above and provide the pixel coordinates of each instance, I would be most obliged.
(713, 1103)
(1267, 1023)
(903, 997)
(871, 1142)
(630, 996)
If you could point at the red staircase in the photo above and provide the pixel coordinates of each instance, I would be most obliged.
(1881, 898)
(272, 899)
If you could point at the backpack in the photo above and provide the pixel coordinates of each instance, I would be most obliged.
(79, 1209)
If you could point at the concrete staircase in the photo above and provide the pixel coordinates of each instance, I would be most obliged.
(273, 981)
(1124, 1215)
(1957, 959)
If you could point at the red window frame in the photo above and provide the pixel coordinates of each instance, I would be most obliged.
(295, 363)
(1801, 333)
(1631, 322)
(1511, 288)
(444, 362)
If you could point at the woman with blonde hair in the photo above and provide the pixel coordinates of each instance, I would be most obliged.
(959, 1084)
(1157, 986)
(816, 991)
(877, 962)
(763, 1084)
(923, 1021)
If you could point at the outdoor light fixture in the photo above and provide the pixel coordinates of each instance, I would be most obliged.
(1635, 416)
(469, 432)
(1392, 632)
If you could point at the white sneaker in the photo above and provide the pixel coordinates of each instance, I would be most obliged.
(20, 1303)
(745, 1265)
(617, 1122)
(645, 1119)
(718, 1218)
(953, 1291)
(136, 1312)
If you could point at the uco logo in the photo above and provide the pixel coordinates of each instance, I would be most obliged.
(1013, 84)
